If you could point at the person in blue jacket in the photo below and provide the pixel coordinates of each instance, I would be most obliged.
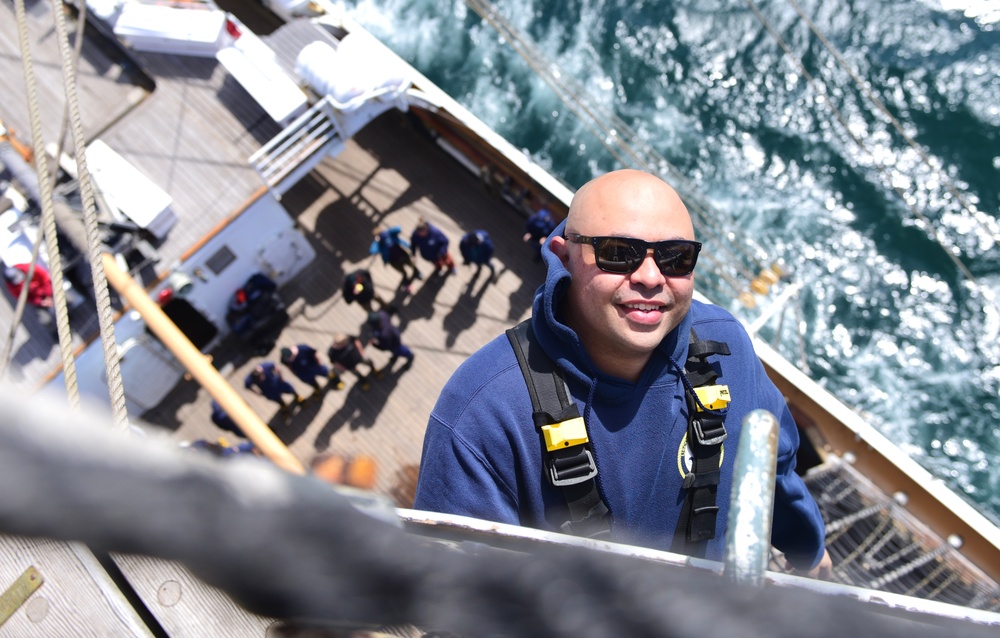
(304, 363)
(537, 227)
(393, 249)
(477, 248)
(223, 421)
(615, 315)
(265, 379)
(432, 244)
(386, 336)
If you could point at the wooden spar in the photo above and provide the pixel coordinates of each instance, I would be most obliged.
(195, 362)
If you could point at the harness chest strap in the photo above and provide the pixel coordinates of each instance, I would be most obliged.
(706, 432)
(570, 462)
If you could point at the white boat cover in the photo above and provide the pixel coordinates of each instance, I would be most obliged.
(352, 73)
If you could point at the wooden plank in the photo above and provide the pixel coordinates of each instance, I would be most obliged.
(185, 606)
(77, 597)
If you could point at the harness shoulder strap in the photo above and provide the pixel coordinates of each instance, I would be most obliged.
(569, 459)
(705, 434)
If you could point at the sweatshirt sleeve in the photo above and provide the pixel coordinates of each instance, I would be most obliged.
(473, 443)
(797, 529)
(455, 479)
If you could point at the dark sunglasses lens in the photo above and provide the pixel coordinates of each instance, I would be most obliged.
(676, 258)
(618, 254)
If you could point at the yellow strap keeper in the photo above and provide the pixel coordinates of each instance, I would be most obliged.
(565, 434)
(713, 397)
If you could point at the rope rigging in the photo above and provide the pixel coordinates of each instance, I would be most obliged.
(314, 555)
(625, 145)
(48, 214)
(35, 251)
(105, 316)
(861, 84)
(46, 181)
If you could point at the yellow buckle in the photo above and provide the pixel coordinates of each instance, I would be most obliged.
(713, 397)
(565, 434)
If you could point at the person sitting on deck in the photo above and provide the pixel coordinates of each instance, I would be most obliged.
(255, 310)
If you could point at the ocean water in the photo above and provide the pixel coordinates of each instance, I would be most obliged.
(857, 143)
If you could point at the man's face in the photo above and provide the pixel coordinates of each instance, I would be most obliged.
(622, 318)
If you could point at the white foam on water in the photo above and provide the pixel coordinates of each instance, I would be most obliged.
(887, 322)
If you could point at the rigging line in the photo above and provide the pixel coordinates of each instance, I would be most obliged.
(48, 214)
(861, 84)
(646, 157)
(105, 317)
(935, 233)
(639, 156)
(619, 152)
(77, 48)
(36, 249)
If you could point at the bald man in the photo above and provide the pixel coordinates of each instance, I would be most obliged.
(616, 316)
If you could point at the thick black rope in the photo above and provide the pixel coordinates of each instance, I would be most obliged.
(292, 547)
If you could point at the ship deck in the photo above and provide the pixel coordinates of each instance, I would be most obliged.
(192, 135)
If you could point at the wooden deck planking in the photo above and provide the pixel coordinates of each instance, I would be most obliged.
(391, 174)
(185, 606)
(190, 144)
(104, 83)
(76, 593)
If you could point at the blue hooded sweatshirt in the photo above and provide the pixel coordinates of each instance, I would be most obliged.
(432, 246)
(483, 457)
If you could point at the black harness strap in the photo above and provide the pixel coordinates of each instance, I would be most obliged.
(706, 432)
(572, 468)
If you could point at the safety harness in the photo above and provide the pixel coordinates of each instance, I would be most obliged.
(569, 462)
(707, 408)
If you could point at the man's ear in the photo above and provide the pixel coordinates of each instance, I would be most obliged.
(560, 249)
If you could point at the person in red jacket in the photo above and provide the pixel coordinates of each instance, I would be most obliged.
(39, 290)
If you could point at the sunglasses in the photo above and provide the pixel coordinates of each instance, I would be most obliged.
(623, 255)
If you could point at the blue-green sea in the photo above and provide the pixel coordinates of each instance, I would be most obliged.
(856, 142)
